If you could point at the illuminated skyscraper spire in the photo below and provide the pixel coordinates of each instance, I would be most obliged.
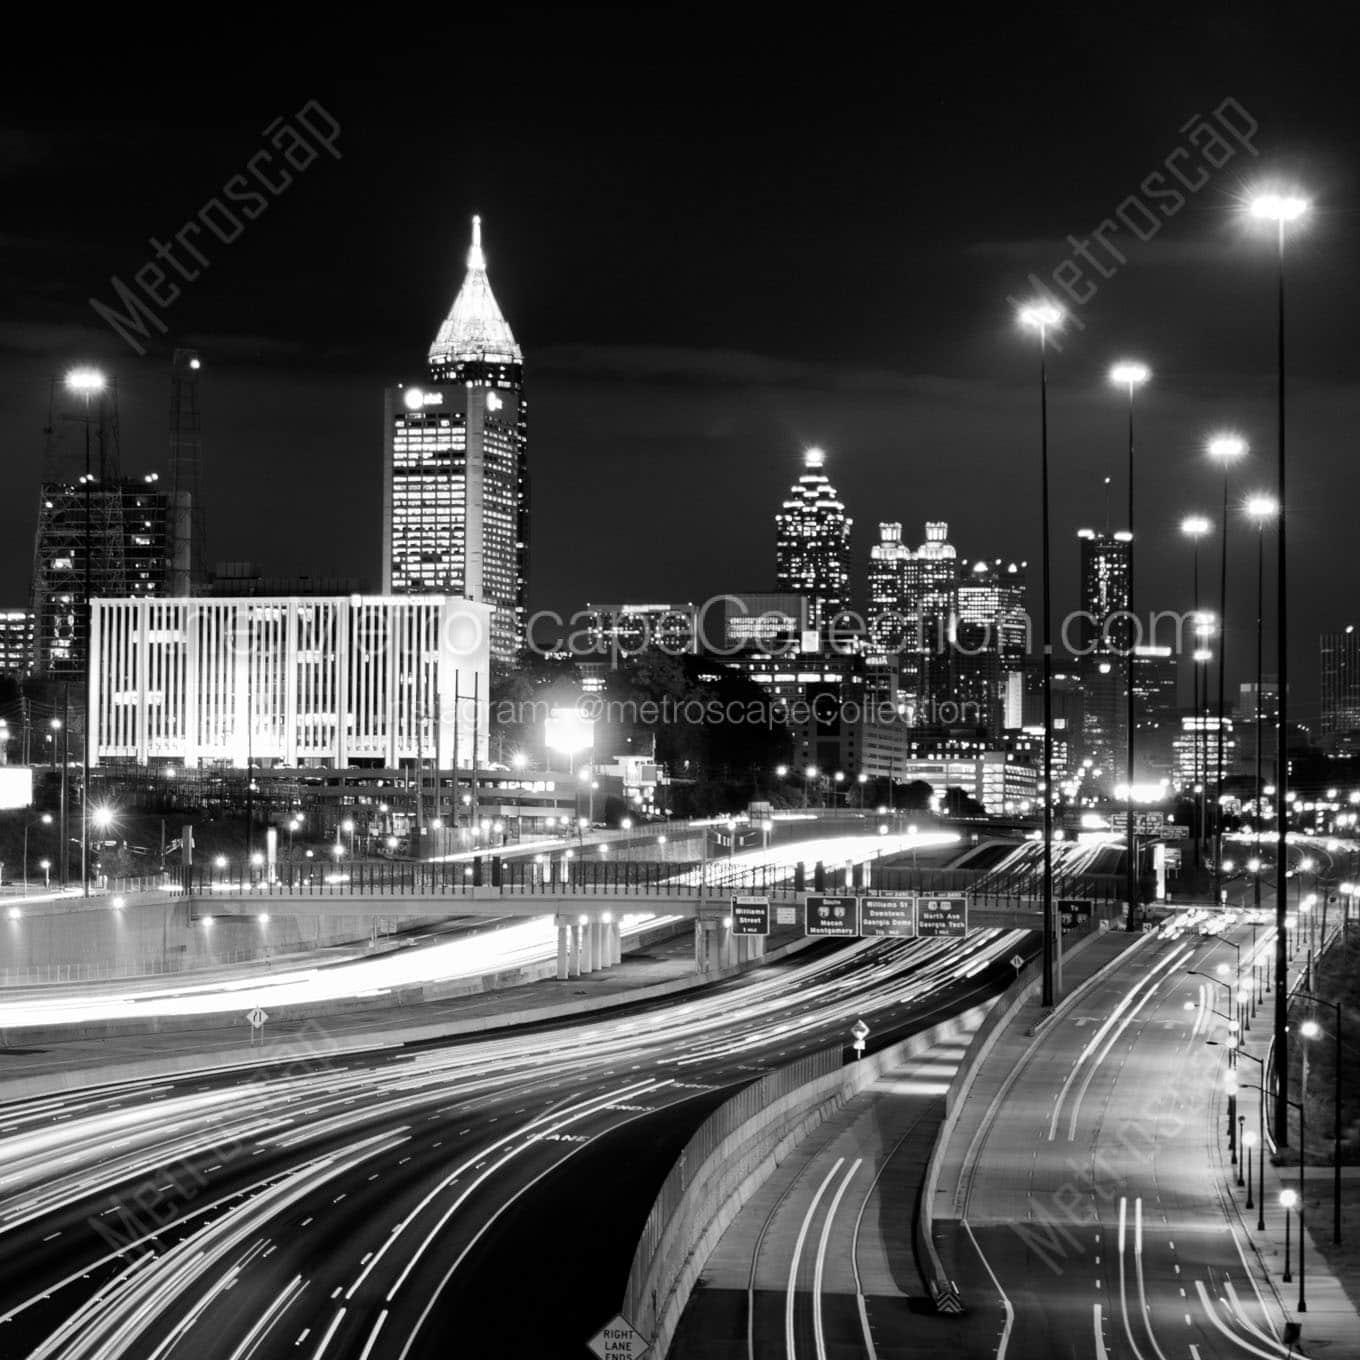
(812, 548)
(474, 331)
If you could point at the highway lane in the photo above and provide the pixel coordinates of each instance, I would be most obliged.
(1094, 1209)
(354, 1206)
(820, 1261)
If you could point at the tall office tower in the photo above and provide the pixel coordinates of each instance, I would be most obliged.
(989, 639)
(1104, 637)
(1104, 592)
(931, 575)
(888, 559)
(812, 544)
(1340, 682)
(97, 530)
(455, 467)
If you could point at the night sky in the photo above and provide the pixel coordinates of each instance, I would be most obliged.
(716, 244)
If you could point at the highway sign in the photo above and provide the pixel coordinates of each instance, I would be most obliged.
(1172, 832)
(257, 1017)
(786, 916)
(942, 915)
(1073, 912)
(1148, 823)
(619, 1340)
(750, 916)
(887, 915)
(831, 916)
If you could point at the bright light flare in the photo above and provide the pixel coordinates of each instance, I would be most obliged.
(1279, 207)
(1129, 373)
(1227, 446)
(85, 381)
(1040, 316)
(1262, 507)
(1195, 526)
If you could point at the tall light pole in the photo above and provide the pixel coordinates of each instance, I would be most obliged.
(86, 383)
(1262, 509)
(1227, 448)
(1194, 527)
(1131, 375)
(1043, 317)
(1281, 209)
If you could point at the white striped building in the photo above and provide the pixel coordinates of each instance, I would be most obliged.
(290, 680)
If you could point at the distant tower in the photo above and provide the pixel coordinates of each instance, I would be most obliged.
(1340, 656)
(455, 466)
(188, 556)
(812, 542)
(888, 559)
(931, 575)
(1104, 632)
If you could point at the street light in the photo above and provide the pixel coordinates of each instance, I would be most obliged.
(1227, 448)
(1194, 527)
(1262, 509)
(1281, 209)
(44, 820)
(1130, 375)
(1288, 1200)
(1043, 317)
(1310, 1029)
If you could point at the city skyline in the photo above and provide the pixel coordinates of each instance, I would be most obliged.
(671, 349)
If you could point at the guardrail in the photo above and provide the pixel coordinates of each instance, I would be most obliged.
(730, 1156)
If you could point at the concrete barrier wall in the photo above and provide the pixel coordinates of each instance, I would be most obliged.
(683, 1230)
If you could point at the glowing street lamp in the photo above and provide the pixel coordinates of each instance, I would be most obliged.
(1130, 375)
(1227, 448)
(1041, 317)
(1262, 509)
(1195, 527)
(1281, 209)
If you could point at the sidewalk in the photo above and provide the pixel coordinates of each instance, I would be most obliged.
(1331, 1322)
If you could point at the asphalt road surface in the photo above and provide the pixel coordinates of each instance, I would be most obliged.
(468, 1198)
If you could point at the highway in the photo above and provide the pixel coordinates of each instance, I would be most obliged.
(514, 944)
(1092, 1219)
(426, 1200)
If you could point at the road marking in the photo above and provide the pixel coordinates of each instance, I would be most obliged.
(818, 1329)
(1231, 1335)
(791, 1294)
(373, 1335)
(1123, 1291)
(330, 1332)
(1005, 1302)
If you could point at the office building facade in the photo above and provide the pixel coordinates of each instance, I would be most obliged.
(291, 681)
(1340, 656)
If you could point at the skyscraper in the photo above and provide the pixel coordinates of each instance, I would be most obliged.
(888, 562)
(989, 640)
(812, 544)
(1104, 592)
(931, 575)
(1104, 635)
(455, 468)
(1340, 682)
(97, 533)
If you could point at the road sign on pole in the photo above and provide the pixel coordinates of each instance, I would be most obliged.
(942, 915)
(750, 916)
(859, 1031)
(887, 915)
(256, 1018)
(619, 1340)
(831, 916)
